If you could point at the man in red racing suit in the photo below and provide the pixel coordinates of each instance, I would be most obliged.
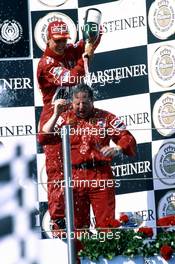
(91, 131)
(60, 67)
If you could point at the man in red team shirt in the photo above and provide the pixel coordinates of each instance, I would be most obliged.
(91, 131)
(60, 67)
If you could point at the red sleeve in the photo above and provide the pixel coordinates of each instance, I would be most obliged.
(44, 138)
(121, 136)
(78, 48)
(127, 142)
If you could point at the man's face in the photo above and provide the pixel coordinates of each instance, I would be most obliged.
(82, 104)
(58, 46)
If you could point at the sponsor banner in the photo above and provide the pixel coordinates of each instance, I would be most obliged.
(16, 83)
(42, 178)
(165, 202)
(37, 92)
(38, 110)
(161, 61)
(45, 220)
(164, 114)
(163, 153)
(121, 28)
(133, 174)
(17, 160)
(18, 122)
(141, 204)
(161, 18)
(14, 29)
(41, 19)
(52, 4)
(18, 144)
(135, 115)
(113, 75)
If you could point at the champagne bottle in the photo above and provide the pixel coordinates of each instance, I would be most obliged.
(91, 27)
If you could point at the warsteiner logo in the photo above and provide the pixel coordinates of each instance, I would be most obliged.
(10, 31)
(161, 18)
(165, 163)
(164, 114)
(167, 205)
(163, 66)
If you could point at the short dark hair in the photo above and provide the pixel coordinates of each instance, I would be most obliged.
(83, 88)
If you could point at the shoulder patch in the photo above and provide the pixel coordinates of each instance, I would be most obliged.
(59, 121)
(116, 123)
(56, 72)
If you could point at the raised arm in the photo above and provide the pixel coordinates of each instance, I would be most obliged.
(46, 131)
(59, 106)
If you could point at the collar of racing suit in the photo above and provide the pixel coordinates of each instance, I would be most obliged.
(50, 53)
(91, 114)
